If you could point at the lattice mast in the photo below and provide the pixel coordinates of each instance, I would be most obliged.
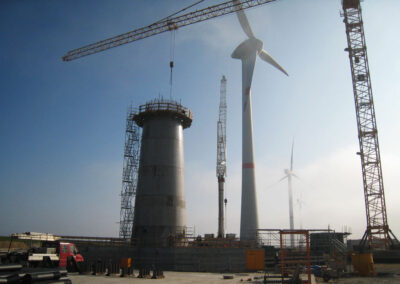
(377, 232)
(129, 175)
(221, 156)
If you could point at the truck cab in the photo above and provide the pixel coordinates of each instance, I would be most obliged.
(66, 250)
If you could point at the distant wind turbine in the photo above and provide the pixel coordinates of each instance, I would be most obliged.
(247, 52)
(289, 174)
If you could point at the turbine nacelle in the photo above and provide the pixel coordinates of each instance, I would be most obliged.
(247, 48)
(252, 44)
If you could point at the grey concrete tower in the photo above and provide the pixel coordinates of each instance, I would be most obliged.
(160, 204)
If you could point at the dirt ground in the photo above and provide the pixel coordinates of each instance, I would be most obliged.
(172, 278)
(387, 274)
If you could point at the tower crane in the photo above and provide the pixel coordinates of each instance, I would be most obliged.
(377, 234)
(132, 134)
(168, 24)
(221, 156)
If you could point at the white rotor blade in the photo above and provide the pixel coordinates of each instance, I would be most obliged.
(291, 157)
(272, 185)
(283, 178)
(296, 176)
(243, 20)
(268, 58)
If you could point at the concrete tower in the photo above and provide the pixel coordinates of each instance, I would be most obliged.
(247, 52)
(160, 205)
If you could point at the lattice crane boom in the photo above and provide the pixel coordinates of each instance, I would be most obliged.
(221, 156)
(378, 233)
(221, 131)
(163, 26)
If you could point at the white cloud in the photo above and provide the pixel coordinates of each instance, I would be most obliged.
(218, 34)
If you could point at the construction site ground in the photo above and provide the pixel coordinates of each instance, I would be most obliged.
(174, 277)
(387, 274)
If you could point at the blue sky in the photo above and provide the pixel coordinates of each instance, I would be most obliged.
(62, 123)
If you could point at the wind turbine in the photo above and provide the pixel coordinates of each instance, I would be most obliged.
(247, 52)
(289, 174)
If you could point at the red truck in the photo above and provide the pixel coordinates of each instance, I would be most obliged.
(66, 250)
(44, 250)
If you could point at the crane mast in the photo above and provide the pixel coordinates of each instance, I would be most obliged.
(221, 156)
(164, 25)
(377, 234)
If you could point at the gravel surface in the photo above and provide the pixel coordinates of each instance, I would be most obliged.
(387, 274)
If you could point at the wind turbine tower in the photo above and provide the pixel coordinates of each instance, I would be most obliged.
(247, 52)
(221, 156)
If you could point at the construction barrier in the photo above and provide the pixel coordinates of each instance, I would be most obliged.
(254, 259)
(363, 264)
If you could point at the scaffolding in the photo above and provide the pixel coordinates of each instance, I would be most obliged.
(129, 175)
(377, 234)
(295, 260)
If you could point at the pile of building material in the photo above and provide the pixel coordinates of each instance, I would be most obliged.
(15, 273)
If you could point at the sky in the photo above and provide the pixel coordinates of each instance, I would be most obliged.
(62, 124)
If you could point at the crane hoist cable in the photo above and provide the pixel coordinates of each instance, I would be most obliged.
(172, 48)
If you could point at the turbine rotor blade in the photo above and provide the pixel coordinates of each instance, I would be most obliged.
(291, 157)
(272, 185)
(243, 20)
(296, 176)
(283, 178)
(268, 58)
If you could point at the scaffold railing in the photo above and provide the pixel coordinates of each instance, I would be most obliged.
(165, 105)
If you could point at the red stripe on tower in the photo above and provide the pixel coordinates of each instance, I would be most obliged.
(248, 165)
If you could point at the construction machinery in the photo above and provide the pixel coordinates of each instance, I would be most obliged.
(221, 156)
(44, 250)
(132, 137)
(377, 234)
(167, 24)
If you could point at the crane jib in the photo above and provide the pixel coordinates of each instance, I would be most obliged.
(164, 26)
